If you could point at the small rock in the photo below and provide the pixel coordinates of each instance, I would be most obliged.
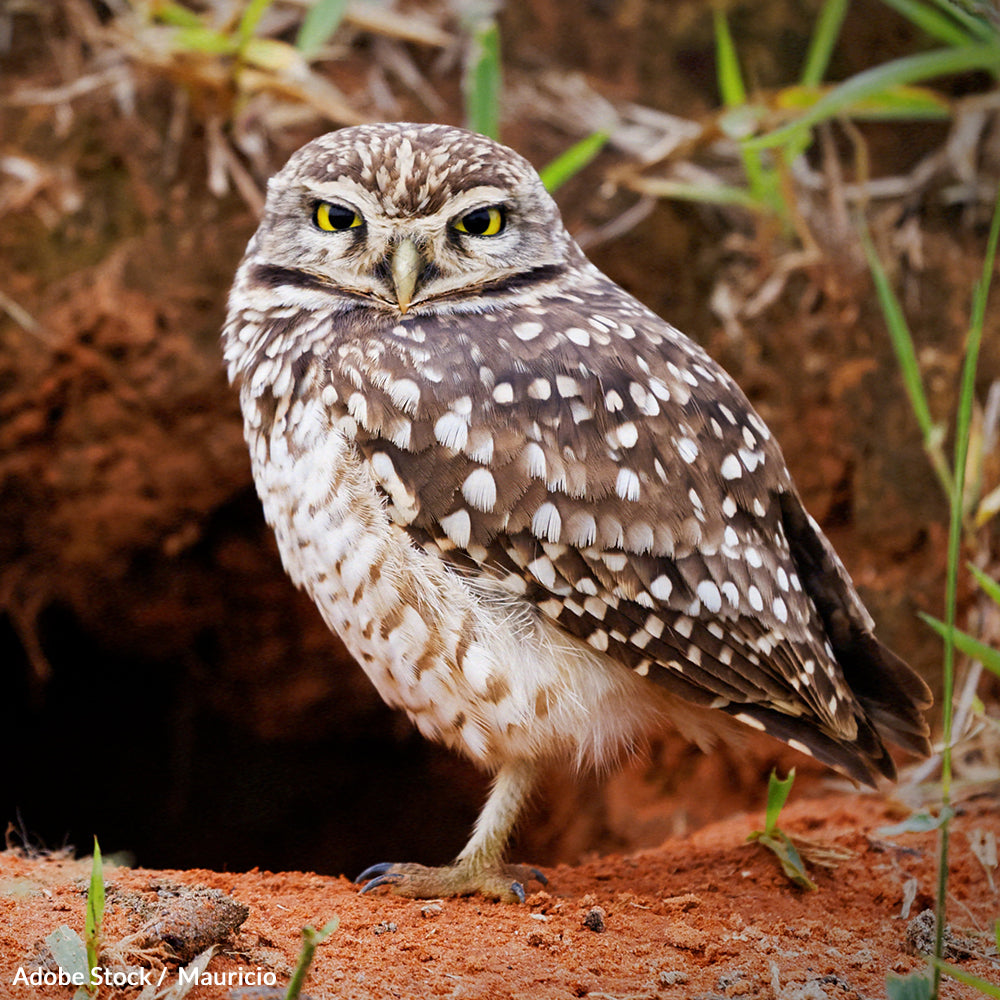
(594, 919)
(673, 977)
(920, 938)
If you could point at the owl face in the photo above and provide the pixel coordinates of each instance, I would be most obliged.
(409, 219)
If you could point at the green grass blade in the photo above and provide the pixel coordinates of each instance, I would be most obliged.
(824, 38)
(94, 917)
(252, 14)
(906, 356)
(176, 15)
(310, 939)
(777, 841)
(907, 70)
(727, 63)
(778, 791)
(915, 986)
(571, 162)
(983, 285)
(201, 38)
(734, 95)
(321, 21)
(977, 23)
(482, 81)
(987, 655)
(989, 585)
(985, 987)
(904, 101)
(939, 24)
(780, 844)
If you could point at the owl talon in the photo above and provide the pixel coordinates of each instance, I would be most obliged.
(381, 880)
(380, 869)
(538, 876)
(502, 882)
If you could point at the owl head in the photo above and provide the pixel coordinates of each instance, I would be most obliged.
(409, 217)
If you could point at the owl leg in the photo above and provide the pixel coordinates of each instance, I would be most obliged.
(479, 868)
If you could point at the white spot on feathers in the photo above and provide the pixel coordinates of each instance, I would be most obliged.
(458, 527)
(730, 468)
(709, 594)
(547, 523)
(480, 489)
(451, 430)
(503, 392)
(527, 331)
(627, 485)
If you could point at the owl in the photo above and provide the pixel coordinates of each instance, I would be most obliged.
(544, 522)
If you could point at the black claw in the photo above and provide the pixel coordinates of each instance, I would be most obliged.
(382, 880)
(538, 876)
(380, 869)
(518, 890)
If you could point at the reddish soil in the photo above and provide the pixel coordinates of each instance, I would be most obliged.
(705, 916)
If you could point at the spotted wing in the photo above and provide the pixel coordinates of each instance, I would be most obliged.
(598, 462)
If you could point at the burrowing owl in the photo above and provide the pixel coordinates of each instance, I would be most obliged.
(544, 521)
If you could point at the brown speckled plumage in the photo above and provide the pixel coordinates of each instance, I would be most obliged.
(543, 520)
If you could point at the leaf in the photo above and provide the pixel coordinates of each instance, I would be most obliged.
(310, 938)
(906, 357)
(987, 655)
(94, 918)
(988, 989)
(915, 986)
(727, 63)
(921, 822)
(482, 80)
(786, 852)
(940, 24)
(573, 160)
(904, 101)
(200, 38)
(174, 14)
(989, 585)
(321, 21)
(823, 39)
(906, 70)
(192, 973)
(69, 952)
(252, 14)
(778, 791)
(777, 840)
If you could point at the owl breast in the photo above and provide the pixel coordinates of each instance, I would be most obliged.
(472, 665)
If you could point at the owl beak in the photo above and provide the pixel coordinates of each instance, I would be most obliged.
(406, 266)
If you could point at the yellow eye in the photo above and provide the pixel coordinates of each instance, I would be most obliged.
(334, 218)
(482, 221)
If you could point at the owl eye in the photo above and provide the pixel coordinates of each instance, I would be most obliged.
(334, 218)
(482, 221)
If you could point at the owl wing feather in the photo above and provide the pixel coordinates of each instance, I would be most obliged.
(593, 459)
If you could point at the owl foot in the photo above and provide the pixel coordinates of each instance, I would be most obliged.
(499, 881)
